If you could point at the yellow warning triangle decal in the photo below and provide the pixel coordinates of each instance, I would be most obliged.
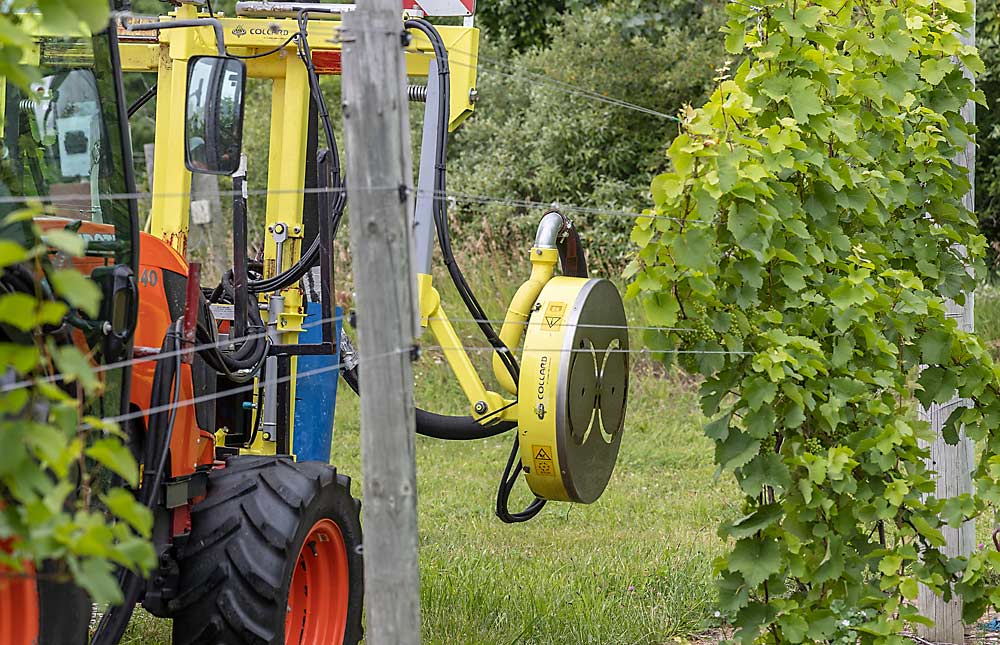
(541, 454)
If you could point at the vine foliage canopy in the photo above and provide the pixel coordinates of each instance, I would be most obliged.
(806, 240)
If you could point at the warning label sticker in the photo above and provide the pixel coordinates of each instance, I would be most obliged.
(553, 316)
(542, 459)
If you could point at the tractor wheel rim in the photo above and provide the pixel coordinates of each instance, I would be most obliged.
(318, 596)
(18, 607)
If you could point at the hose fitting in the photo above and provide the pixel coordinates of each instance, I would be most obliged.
(548, 230)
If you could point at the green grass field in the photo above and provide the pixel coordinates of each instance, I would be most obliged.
(634, 567)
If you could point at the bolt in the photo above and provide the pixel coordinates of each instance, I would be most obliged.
(480, 407)
(267, 436)
(473, 95)
(297, 229)
(270, 229)
(538, 251)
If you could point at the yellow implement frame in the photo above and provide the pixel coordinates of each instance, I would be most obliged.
(167, 53)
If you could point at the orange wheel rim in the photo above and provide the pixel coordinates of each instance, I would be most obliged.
(318, 597)
(18, 607)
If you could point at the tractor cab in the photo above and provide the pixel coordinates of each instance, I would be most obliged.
(65, 158)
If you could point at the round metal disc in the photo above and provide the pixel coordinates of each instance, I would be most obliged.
(587, 455)
(582, 390)
(614, 390)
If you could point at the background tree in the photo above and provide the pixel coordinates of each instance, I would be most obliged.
(532, 140)
(988, 122)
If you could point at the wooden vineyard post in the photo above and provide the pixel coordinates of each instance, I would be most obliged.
(953, 464)
(379, 186)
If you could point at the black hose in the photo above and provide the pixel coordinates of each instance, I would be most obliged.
(429, 424)
(510, 474)
(295, 273)
(141, 101)
(264, 54)
(441, 204)
(507, 482)
(440, 426)
(244, 362)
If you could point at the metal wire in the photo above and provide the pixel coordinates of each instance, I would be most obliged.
(365, 359)
(159, 356)
(586, 210)
(108, 197)
(504, 68)
(454, 196)
(528, 323)
(249, 387)
(575, 350)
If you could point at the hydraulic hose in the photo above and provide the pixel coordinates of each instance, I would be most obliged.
(242, 364)
(295, 272)
(429, 424)
(510, 474)
(441, 426)
(440, 204)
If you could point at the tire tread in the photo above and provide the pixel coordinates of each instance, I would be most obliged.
(244, 542)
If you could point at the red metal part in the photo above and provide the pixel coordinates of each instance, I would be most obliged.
(191, 309)
(190, 446)
(18, 606)
(181, 520)
(318, 597)
(327, 62)
(442, 7)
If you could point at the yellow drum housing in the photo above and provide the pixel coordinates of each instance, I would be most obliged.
(573, 388)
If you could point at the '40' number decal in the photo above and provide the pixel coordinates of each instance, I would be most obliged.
(149, 278)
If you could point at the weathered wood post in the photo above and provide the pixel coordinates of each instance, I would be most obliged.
(379, 186)
(953, 464)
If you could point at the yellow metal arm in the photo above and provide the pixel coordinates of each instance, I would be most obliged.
(543, 266)
(481, 400)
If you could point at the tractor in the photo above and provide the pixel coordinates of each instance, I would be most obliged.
(227, 391)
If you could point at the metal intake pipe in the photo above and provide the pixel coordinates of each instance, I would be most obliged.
(548, 230)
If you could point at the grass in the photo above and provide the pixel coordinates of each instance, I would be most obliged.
(635, 567)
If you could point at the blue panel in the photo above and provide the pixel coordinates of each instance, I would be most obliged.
(316, 392)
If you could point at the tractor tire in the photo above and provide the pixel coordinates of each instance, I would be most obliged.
(42, 610)
(274, 558)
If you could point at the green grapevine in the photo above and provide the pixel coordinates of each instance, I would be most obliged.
(808, 235)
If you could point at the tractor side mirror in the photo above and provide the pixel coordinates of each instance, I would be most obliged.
(213, 130)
